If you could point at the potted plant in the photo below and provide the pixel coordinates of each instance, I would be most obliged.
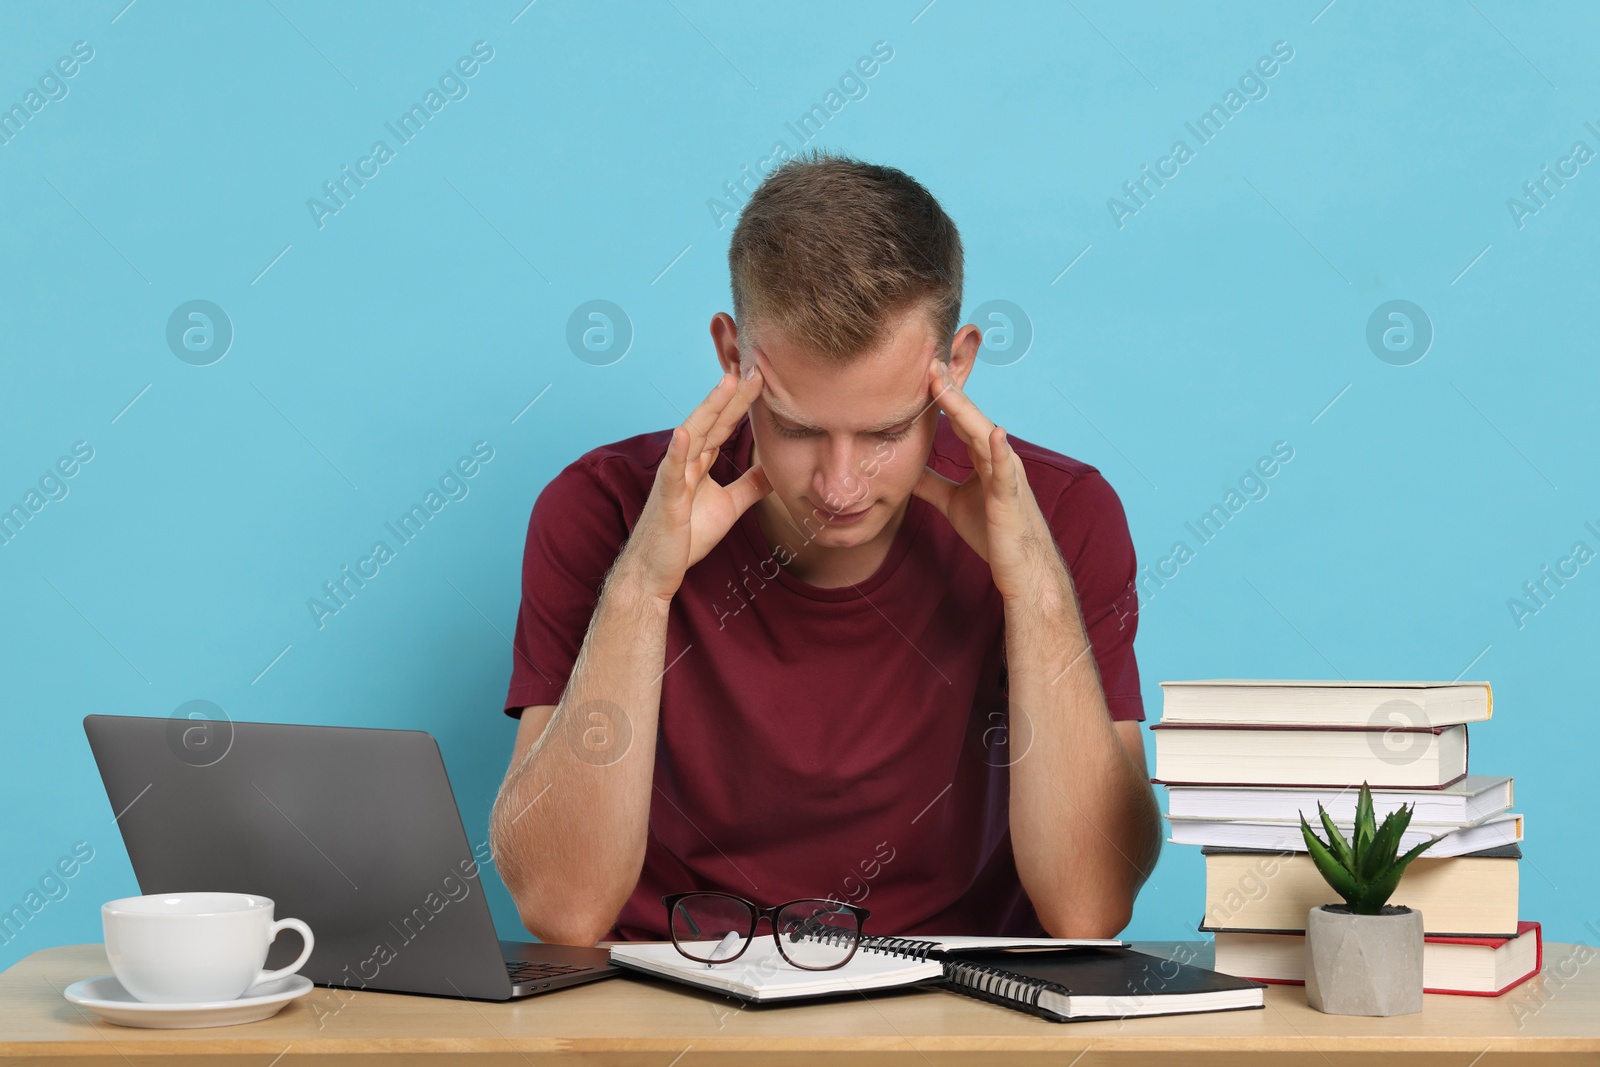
(1363, 957)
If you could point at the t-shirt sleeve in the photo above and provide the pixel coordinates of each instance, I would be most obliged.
(578, 526)
(1091, 530)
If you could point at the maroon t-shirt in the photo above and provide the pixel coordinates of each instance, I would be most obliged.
(846, 743)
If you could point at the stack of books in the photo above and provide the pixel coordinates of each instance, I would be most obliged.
(1242, 760)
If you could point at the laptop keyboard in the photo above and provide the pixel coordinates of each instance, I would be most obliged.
(530, 971)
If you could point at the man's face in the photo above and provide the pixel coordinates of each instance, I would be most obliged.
(843, 446)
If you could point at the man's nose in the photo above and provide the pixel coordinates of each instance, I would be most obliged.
(844, 480)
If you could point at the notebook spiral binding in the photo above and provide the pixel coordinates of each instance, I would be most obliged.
(898, 946)
(994, 984)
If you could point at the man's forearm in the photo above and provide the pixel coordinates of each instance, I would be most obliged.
(1085, 828)
(570, 823)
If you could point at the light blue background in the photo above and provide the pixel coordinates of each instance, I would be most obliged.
(1225, 316)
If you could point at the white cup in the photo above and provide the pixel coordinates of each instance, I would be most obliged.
(186, 948)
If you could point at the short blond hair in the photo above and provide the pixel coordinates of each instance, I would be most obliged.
(830, 248)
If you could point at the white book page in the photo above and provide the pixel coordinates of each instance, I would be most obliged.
(1323, 683)
(764, 974)
(976, 944)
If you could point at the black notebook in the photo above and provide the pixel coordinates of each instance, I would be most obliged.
(1074, 985)
(1056, 979)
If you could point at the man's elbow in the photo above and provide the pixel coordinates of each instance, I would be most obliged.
(553, 920)
(567, 929)
(1103, 913)
(1106, 920)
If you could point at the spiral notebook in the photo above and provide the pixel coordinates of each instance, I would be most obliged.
(1056, 979)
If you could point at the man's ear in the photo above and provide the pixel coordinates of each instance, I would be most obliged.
(964, 353)
(725, 336)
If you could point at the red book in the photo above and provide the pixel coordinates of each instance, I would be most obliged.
(1464, 966)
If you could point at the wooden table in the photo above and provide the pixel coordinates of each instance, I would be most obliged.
(1554, 1018)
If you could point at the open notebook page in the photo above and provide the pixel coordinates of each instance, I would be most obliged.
(762, 974)
(1014, 944)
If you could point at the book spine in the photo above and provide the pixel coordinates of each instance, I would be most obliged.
(999, 986)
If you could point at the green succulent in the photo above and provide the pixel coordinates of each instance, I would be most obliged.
(1366, 871)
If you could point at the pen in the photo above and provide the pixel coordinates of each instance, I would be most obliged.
(729, 939)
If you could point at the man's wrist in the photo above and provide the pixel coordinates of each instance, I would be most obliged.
(1034, 608)
(626, 581)
(1050, 589)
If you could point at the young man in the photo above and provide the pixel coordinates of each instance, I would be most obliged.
(837, 635)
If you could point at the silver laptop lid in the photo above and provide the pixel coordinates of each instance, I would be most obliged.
(354, 830)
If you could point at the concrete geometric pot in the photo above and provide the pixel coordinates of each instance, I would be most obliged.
(1364, 964)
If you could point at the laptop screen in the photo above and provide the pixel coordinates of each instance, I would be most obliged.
(353, 830)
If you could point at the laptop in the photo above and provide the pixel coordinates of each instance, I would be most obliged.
(353, 830)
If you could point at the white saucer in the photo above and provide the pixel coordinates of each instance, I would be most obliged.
(106, 998)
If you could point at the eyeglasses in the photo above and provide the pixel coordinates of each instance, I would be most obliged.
(811, 933)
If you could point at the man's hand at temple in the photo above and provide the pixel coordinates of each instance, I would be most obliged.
(1085, 826)
(570, 833)
(994, 510)
(689, 511)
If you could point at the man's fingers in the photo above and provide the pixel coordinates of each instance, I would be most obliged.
(733, 410)
(701, 463)
(748, 488)
(970, 424)
(936, 489)
(1004, 465)
(674, 485)
(736, 404)
(704, 416)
